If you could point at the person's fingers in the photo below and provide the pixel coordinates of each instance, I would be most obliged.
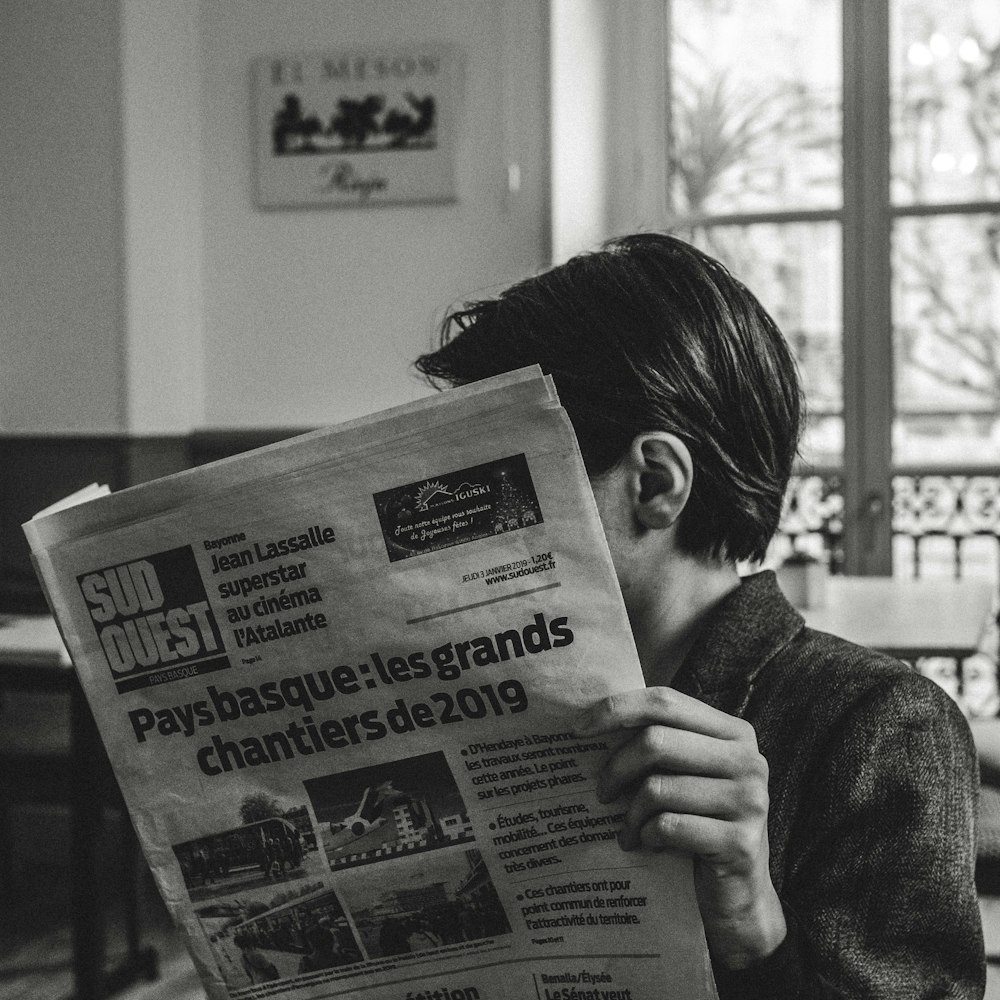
(704, 836)
(680, 799)
(677, 751)
(682, 793)
(660, 706)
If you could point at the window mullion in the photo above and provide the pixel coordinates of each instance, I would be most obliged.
(868, 349)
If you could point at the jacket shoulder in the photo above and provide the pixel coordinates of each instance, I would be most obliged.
(854, 677)
(821, 689)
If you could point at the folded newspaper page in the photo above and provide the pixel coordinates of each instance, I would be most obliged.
(336, 678)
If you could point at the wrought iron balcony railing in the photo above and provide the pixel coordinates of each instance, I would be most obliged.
(945, 522)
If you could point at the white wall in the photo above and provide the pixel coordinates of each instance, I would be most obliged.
(163, 206)
(222, 314)
(313, 316)
(608, 82)
(61, 366)
(581, 42)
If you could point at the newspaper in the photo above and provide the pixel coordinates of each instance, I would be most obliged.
(336, 679)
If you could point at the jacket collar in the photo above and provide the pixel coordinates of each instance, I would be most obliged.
(738, 640)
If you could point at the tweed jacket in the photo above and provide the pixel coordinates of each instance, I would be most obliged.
(872, 784)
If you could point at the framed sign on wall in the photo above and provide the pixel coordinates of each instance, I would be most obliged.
(349, 129)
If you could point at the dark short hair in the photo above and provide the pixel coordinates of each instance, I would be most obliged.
(649, 333)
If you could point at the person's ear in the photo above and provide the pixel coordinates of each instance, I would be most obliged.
(661, 474)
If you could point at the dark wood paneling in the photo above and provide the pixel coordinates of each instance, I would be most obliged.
(36, 471)
(209, 446)
(150, 458)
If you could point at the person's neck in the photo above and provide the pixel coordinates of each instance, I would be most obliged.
(673, 611)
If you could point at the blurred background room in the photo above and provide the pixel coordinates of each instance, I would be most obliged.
(842, 157)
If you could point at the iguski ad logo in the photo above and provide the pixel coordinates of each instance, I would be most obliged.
(458, 507)
(153, 619)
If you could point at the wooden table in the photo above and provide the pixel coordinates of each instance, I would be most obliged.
(908, 619)
(33, 658)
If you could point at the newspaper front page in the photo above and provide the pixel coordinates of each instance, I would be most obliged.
(336, 678)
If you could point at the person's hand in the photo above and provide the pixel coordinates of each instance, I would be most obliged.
(695, 781)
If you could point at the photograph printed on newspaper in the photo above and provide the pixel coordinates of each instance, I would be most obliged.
(336, 678)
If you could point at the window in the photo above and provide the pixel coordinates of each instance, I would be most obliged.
(843, 158)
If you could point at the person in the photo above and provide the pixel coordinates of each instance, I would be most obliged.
(258, 967)
(392, 938)
(324, 948)
(420, 937)
(826, 792)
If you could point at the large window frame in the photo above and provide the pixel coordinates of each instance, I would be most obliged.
(639, 55)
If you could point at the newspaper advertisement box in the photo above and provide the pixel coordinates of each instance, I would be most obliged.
(336, 678)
